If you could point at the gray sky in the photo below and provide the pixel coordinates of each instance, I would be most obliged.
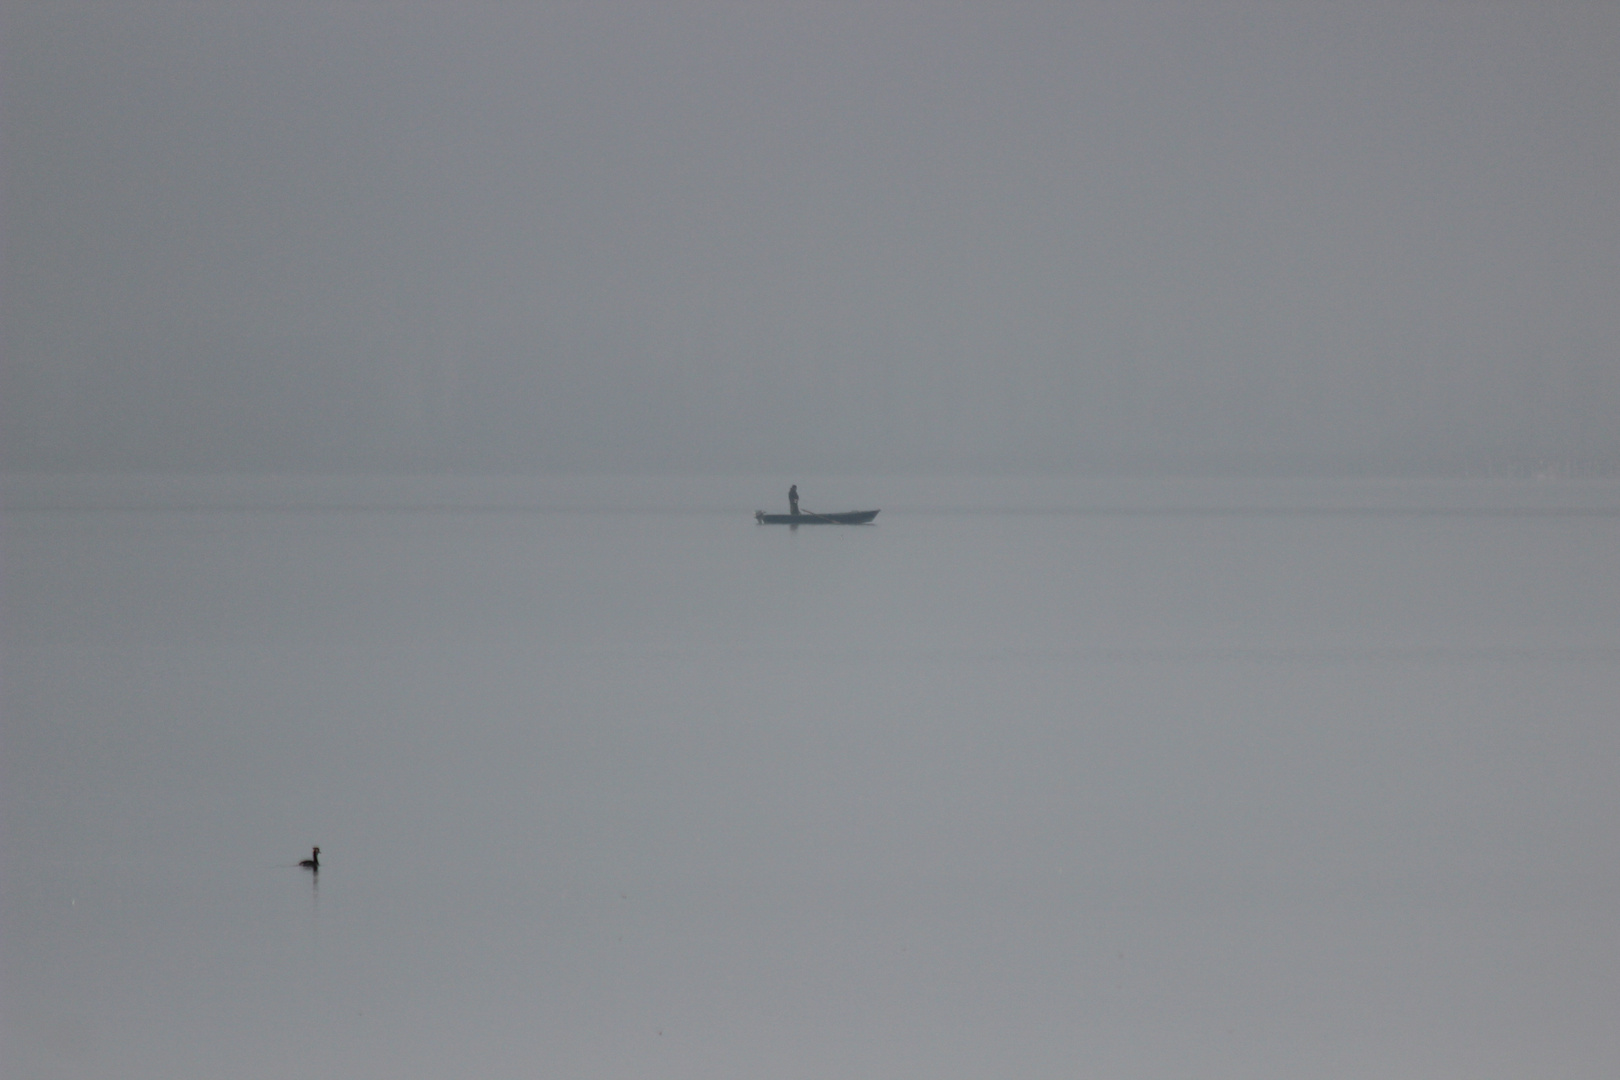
(707, 236)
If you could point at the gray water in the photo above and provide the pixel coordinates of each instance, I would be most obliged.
(1034, 780)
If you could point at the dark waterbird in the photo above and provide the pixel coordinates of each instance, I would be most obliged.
(313, 862)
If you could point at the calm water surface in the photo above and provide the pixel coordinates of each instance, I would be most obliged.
(1198, 780)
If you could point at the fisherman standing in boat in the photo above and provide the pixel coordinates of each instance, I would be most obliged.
(793, 500)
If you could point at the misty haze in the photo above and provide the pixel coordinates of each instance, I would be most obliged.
(706, 236)
(1226, 689)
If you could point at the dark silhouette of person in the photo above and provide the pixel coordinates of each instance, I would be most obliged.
(793, 500)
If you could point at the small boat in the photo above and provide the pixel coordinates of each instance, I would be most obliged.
(805, 517)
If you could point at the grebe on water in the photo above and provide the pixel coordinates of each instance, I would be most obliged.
(313, 862)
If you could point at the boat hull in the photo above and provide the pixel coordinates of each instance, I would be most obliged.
(803, 517)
